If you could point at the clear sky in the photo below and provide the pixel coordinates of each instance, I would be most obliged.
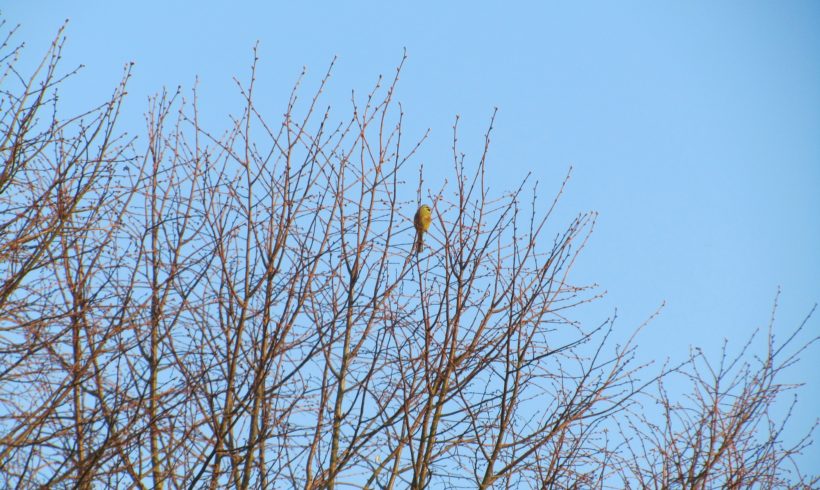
(693, 127)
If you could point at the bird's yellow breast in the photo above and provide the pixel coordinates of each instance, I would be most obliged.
(423, 218)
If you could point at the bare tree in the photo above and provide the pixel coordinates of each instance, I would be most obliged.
(60, 207)
(245, 308)
(729, 431)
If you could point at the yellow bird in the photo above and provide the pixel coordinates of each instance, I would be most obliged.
(421, 221)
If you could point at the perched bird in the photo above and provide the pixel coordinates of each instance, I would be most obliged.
(421, 221)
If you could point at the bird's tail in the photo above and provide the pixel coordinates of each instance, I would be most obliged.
(419, 241)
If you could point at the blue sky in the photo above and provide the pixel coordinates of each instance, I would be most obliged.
(693, 127)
